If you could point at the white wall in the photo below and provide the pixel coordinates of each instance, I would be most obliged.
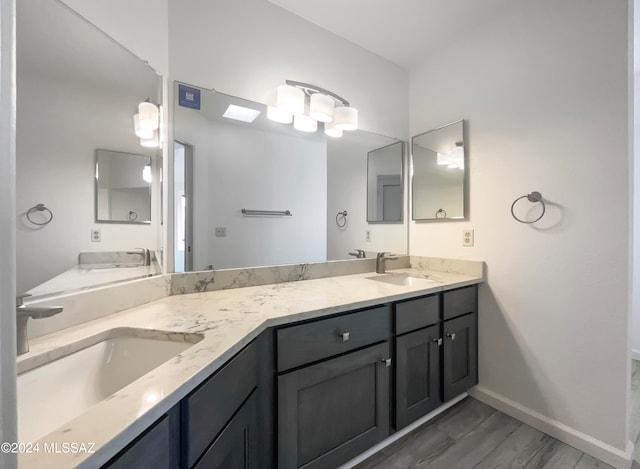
(247, 48)
(635, 190)
(544, 89)
(8, 419)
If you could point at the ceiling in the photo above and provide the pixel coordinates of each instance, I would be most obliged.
(401, 31)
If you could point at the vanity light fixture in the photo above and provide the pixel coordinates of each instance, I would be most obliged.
(241, 113)
(148, 115)
(305, 105)
(140, 132)
(150, 142)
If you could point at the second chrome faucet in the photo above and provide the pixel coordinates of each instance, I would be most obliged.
(381, 259)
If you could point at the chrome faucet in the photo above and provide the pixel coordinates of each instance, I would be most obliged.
(144, 253)
(25, 312)
(381, 262)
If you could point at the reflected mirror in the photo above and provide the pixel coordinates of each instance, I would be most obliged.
(439, 175)
(385, 184)
(77, 92)
(123, 187)
(293, 187)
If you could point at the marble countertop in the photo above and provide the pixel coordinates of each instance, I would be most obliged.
(227, 320)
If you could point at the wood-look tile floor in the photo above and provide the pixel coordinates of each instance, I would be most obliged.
(474, 435)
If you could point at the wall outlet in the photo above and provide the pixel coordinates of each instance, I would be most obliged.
(467, 238)
(367, 236)
(96, 235)
(221, 232)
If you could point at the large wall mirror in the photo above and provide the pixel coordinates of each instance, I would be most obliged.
(77, 92)
(293, 187)
(439, 173)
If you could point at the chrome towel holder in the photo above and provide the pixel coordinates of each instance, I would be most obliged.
(341, 219)
(39, 208)
(532, 197)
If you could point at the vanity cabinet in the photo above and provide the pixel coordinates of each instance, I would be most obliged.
(157, 447)
(227, 421)
(436, 351)
(336, 405)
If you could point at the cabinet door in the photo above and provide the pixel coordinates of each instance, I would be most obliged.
(417, 375)
(334, 410)
(157, 447)
(236, 447)
(460, 350)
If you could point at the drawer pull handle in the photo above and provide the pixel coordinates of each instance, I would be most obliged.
(438, 341)
(452, 336)
(345, 336)
(387, 362)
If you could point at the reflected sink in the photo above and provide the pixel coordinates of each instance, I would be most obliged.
(69, 380)
(404, 279)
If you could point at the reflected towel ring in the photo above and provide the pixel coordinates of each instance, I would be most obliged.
(533, 197)
(443, 211)
(341, 219)
(39, 208)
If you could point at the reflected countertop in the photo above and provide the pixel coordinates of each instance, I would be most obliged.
(228, 320)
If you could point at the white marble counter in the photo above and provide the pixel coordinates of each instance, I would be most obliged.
(228, 320)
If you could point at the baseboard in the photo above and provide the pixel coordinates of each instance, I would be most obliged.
(400, 433)
(585, 443)
(635, 354)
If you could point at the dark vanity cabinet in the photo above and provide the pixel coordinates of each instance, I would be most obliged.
(333, 388)
(157, 447)
(436, 351)
(317, 393)
(227, 421)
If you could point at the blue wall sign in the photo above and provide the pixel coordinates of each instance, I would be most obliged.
(188, 97)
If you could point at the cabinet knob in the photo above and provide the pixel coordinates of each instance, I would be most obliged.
(452, 336)
(345, 336)
(438, 341)
(387, 362)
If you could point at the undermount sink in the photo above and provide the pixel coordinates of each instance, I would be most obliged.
(404, 279)
(65, 382)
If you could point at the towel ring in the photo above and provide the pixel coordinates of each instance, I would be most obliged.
(341, 219)
(39, 208)
(533, 197)
(443, 211)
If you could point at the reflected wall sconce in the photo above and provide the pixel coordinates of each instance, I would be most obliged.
(146, 173)
(305, 105)
(146, 123)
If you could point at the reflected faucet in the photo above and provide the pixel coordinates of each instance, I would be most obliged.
(23, 313)
(381, 262)
(145, 253)
(358, 254)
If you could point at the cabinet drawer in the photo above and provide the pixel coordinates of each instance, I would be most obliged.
(416, 314)
(208, 409)
(306, 343)
(459, 302)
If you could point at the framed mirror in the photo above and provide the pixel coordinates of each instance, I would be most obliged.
(439, 174)
(123, 187)
(77, 93)
(293, 185)
(385, 184)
